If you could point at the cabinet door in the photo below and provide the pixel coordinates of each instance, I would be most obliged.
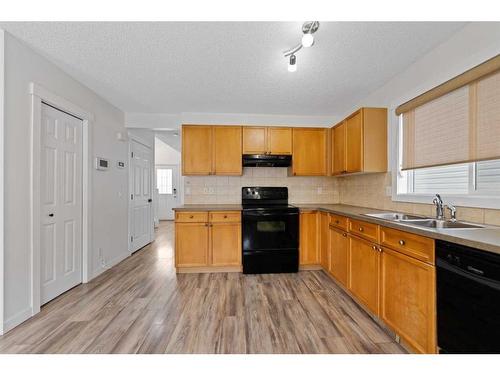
(309, 152)
(226, 244)
(408, 299)
(308, 248)
(338, 154)
(227, 150)
(354, 143)
(339, 255)
(191, 245)
(254, 140)
(279, 141)
(364, 271)
(324, 238)
(196, 150)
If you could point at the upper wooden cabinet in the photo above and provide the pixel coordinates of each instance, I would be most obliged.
(267, 140)
(360, 142)
(208, 150)
(309, 152)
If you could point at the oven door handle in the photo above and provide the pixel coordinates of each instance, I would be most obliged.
(258, 214)
(495, 284)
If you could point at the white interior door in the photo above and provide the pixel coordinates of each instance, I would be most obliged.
(61, 203)
(141, 225)
(167, 183)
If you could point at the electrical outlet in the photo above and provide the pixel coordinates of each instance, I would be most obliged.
(205, 190)
(320, 190)
(188, 190)
(211, 190)
(388, 191)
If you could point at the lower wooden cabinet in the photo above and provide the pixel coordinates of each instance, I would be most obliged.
(408, 297)
(225, 244)
(191, 244)
(308, 246)
(364, 272)
(324, 239)
(339, 255)
(214, 241)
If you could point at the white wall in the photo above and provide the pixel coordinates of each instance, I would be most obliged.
(164, 154)
(1, 180)
(109, 189)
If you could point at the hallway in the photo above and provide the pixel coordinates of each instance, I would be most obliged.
(142, 306)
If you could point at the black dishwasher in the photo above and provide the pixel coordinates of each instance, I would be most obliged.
(468, 299)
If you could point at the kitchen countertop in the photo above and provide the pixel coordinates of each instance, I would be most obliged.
(487, 238)
(209, 207)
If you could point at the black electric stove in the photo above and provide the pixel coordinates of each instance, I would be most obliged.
(270, 231)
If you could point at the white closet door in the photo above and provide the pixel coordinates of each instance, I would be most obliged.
(61, 203)
(141, 205)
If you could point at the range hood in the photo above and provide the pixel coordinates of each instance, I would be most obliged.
(267, 160)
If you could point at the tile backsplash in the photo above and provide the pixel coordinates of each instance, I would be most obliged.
(369, 191)
(227, 189)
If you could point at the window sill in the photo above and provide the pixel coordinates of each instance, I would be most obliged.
(456, 200)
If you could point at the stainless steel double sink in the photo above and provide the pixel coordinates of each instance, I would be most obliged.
(421, 221)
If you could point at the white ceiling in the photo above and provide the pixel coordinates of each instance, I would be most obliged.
(232, 67)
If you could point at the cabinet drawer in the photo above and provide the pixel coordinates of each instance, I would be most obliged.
(191, 217)
(338, 221)
(363, 229)
(225, 217)
(413, 245)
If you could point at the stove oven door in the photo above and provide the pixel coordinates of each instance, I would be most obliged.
(268, 230)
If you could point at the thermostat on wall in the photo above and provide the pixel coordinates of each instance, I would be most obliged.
(120, 164)
(101, 164)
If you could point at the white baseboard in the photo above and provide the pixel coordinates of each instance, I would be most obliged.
(17, 319)
(113, 262)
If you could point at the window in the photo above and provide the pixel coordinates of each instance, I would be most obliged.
(164, 180)
(467, 180)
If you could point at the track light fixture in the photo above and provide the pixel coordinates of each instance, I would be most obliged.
(308, 29)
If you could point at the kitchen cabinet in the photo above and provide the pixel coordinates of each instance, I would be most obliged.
(308, 246)
(206, 241)
(324, 238)
(338, 154)
(191, 245)
(360, 142)
(364, 272)
(408, 289)
(339, 255)
(211, 150)
(267, 140)
(309, 152)
(196, 150)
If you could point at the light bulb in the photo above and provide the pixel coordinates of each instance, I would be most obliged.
(292, 64)
(307, 40)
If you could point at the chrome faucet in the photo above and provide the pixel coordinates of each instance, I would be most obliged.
(438, 202)
(453, 212)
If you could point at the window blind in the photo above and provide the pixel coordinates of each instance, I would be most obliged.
(460, 126)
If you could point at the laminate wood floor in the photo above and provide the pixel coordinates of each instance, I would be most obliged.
(142, 306)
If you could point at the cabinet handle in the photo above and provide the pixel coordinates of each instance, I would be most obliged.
(379, 249)
(191, 216)
(344, 234)
(225, 216)
(374, 247)
(361, 229)
(402, 242)
(206, 224)
(336, 221)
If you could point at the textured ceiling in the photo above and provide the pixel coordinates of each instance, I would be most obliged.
(232, 67)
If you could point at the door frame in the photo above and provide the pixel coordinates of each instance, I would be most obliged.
(38, 95)
(134, 138)
(178, 167)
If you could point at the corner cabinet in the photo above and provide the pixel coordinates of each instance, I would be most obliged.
(360, 142)
(211, 150)
(310, 152)
(208, 241)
